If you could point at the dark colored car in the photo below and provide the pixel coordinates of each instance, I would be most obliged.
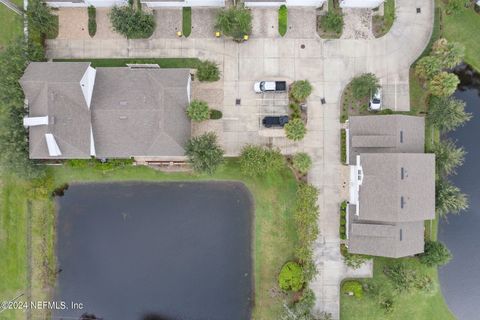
(275, 121)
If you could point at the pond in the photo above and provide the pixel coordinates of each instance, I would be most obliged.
(155, 251)
(459, 279)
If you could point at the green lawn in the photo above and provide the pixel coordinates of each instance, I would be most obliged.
(414, 305)
(186, 21)
(464, 28)
(162, 62)
(11, 26)
(273, 243)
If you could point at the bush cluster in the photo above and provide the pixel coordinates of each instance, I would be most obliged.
(204, 153)
(302, 162)
(92, 21)
(257, 161)
(198, 110)
(343, 220)
(343, 146)
(405, 279)
(98, 164)
(282, 20)
(132, 23)
(234, 22)
(332, 21)
(295, 129)
(208, 71)
(300, 90)
(363, 85)
(215, 114)
(291, 277)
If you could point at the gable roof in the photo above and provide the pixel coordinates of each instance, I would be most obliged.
(385, 134)
(387, 240)
(397, 187)
(54, 90)
(140, 112)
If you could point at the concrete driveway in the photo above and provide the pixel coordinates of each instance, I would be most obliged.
(328, 64)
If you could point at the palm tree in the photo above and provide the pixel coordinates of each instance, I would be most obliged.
(447, 157)
(447, 113)
(443, 84)
(449, 198)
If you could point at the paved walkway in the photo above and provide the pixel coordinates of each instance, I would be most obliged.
(328, 64)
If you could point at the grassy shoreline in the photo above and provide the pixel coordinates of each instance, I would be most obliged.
(273, 242)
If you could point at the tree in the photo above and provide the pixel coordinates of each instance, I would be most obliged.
(40, 17)
(132, 23)
(427, 67)
(443, 84)
(198, 111)
(295, 129)
(435, 254)
(257, 161)
(235, 22)
(14, 157)
(332, 21)
(208, 71)
(446, 114)
(291, 277)
(204, 153)
(302, 162)
(300, 90)
(449, 198)
(447, 157)
(450, 54)
(363, 85)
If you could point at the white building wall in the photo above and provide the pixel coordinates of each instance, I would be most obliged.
(86, 3)
(370, 4)
(288, 3)
(186, 3)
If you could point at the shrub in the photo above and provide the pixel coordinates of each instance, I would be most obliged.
(133, 24)
(435, 254)
(257, 161)
(449, 198)
(302, 162)
(456, 6)
(215, 114)
(447, 114)
(282, 20)
(295, 129)
(402, 278)
(332, 21)
(208, 71)
(305, 217)
(296, 112)
(443, 84)
(92, 21)
(427, 67)
(353, 286)
(343, 217)
(363, 85)
(343, 146)
(291, 277)
(449, 54)
(198, 110)
(300, 90)
(186, 21)
(301, 310)
(204, 153)
(425, 284)
(235, 22)
(387, 304)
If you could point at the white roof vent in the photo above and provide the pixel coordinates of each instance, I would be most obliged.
(53, 149)
(35, 121)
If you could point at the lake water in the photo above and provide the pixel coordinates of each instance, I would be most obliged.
(460, 278)
(156, 251)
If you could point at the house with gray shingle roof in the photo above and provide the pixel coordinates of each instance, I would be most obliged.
(78, 112)
(392, 185)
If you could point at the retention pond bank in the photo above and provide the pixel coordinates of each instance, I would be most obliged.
(156, 251)
(459, 279)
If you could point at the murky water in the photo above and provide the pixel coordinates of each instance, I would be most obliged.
(460, 278)
(155, 251)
